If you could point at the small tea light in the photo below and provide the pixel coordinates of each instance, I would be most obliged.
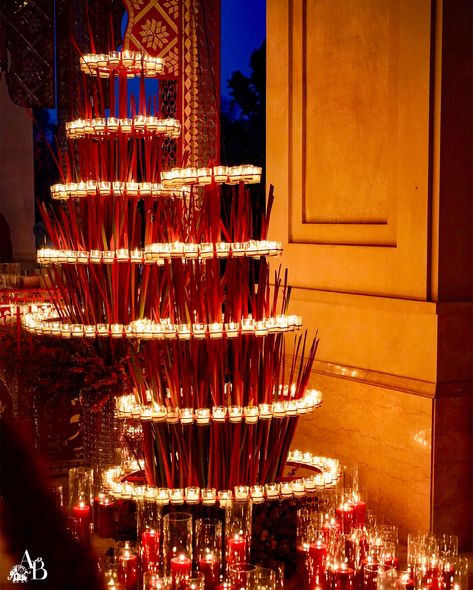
(257, 493)
(232, 330)
(209, 496)
(219, 413)
(238, 249)
(272, 490)
(241, 493)
(122, 254)
(220, 173)
(162, 496)
(265, 412)
(222, 249)
(126, 125)
(172, 416)
(204, 175)
(202, 416)
(128, 58)
(235, 413)
(116, 330)
(206, 250)
(216, 330)
(279, 409)
(298, 488)
(192, 495)
(184, 331)
(199, 331)
(251, 414)
(176, 495)
(261, 328)
(225, 498)
(286, 489)
(186, 415)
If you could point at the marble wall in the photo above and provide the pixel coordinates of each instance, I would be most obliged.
(388, 434)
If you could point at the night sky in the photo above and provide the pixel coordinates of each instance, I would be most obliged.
(243, 30)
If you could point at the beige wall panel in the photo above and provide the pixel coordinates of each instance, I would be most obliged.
(348, 115)
(392, 336)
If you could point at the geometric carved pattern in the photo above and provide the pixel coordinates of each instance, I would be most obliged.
(186, 34)
(29, 31)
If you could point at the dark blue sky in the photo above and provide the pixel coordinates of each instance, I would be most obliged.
(243, 30)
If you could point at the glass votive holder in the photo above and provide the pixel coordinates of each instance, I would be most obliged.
(343, 577)
(194, 581)
(208, 550)
(242, 576)
(265, 578)
(81, 486)
(238, 531)
(370, 575)
(127, 564)
(104, 515)
(149, 526)
(177, 542)
(109, 574)
(387, 578)
(156, 579)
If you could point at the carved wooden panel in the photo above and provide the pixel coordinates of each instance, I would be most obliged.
(348, 142)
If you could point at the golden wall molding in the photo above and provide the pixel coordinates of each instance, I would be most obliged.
(348, 149)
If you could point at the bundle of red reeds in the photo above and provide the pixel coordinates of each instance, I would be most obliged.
(240, 373)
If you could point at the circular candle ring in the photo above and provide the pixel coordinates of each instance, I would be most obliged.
(161, 252)
(111, 126)
(115, 480)
(135, 190)
(47, 322)
(131, 63)
(282, 406)
(246, 173)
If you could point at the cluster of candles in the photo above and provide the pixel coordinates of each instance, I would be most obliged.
(117, 188)
(160, 252)
(339, 548)
(128, 407)
(246, 173)
(132, 63)
(46, 322)
(140, 124)
(178, 551)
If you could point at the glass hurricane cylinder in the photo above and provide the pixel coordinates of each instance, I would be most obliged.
(238, 531)
(177, 543)
(127, 564)
(81, 485)
(208, 550)
(149, 514)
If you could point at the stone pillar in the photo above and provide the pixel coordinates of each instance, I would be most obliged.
(369, 148)
(16, 175)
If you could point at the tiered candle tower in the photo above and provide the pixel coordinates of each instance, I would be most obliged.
(171, 261)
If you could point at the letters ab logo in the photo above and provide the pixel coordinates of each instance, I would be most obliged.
(28, 569)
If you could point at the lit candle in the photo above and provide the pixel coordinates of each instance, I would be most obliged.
(317, 554)
(180, 566)
(128, 568)
(209, 565)
(150, 545)
(302, 570)
(236, 549)
(81, 513)
(105, 516)
(345, 514)
(343, 578)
